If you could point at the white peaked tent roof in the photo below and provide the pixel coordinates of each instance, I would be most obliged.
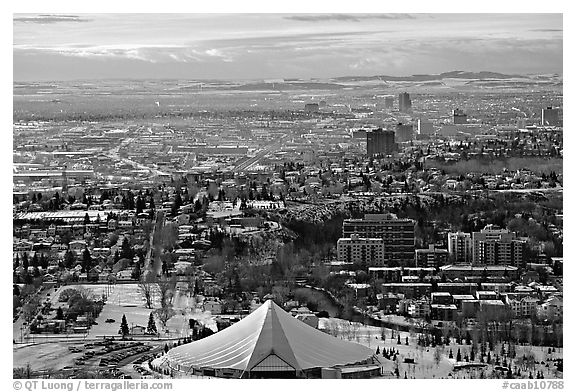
(268, 330)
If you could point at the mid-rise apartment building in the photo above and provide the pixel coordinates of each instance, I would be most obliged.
(398, 235)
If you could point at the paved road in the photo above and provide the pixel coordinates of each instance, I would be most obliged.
(113, 153)
(158, 225)
(259, 155)
(19, 330)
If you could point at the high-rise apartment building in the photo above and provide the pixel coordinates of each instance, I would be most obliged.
(404, 132)
(404, 103)
(510, 252)
(380, 142)
(359, 250)
(460, 247)
(398, 235)
(425, 127)
(493, 245)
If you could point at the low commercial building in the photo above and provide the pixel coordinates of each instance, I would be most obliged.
(523, 307)
(460, 298)
(443, 312)
(441, 298)
(465, 271)
(419, 309)
(410, 290)
(551, 309)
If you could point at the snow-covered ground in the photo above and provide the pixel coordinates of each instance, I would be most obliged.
(429, 362)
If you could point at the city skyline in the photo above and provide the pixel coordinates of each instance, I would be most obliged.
(268, 46)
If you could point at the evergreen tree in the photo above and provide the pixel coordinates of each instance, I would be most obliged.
(136, 272)
(177, 203)
(25, 264)
(124, 329)
(43, 261)
(126, 251)
(458, 356)
(398, 341)
(69, 259)
(151, 329)
(139, 207)
(86, 260)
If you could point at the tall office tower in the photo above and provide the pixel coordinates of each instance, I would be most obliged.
(459, 116)
(493, 245)
(398, 235)
(380, 142)
(404, 102)
(550, 116)
(404, 132)
(460, 247)
(425, 127)
(389, 102)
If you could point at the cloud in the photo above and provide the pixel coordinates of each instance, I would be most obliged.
(48, 19)
(345, 17)
(547, 30)
(146, 53)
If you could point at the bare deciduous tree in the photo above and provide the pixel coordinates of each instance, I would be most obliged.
(146, 286)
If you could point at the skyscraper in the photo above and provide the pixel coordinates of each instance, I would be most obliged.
(404, 102)
(379, 141)
(550, 116)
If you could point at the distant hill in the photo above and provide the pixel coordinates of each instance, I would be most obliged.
(431, 77)
(288, 86)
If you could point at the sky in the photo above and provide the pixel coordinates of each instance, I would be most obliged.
(274, 46)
